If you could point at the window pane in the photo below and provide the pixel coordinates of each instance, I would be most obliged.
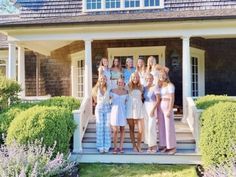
(112, 4)
(132, 3)
(93, 4)
(151, 3)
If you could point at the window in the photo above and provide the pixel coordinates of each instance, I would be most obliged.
(110, 4)
(106, 5)
(3, 66)
(194, 76)
(132, 3)
(94, 4)
(151, 3)
(80, 65)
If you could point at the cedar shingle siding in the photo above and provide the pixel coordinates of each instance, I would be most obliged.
(33, 12)
(57, 8)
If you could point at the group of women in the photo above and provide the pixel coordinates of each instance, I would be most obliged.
(142, 97)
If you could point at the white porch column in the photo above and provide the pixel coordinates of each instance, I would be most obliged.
(88, 68)
(186, 74)
(21, 69)
(11, 68)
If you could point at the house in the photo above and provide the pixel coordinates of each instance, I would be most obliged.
(57, 44)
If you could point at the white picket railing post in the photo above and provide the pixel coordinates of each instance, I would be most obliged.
(77, 144)
(193, 120)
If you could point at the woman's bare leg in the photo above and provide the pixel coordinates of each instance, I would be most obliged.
(122, 136)
(140, 134)
(131, 132)
(115, 132)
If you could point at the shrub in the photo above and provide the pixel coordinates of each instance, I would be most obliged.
(210, 100)
(32, 159)
(7, 115)
(50, 123)
(63, 101)
(218, 133)
(9, 90)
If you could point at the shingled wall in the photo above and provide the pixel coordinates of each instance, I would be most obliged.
(57, 8)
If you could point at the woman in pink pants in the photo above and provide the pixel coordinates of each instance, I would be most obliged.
(167, 136)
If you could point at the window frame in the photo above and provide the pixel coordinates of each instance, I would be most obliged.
(122, 6)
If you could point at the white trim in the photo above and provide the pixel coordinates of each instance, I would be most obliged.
(122, 7)
(200, 54)
(75, 57)
(11, 72)
(114, 33)
(136, 51)
(21, 69)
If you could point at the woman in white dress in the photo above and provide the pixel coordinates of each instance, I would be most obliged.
(151, 102)
(135, 110)
(119, 98)
(141, 69)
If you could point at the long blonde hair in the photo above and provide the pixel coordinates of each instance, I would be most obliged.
(149, 66)
(98, 85)
(140, 69)
(133, 86)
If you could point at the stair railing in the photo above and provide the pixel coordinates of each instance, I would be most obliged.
(193, 120)
(81, 118)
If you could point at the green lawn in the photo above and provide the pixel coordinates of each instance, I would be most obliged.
(133, 170)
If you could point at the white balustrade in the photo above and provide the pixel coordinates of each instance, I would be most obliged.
(193, 120)
(81, 118)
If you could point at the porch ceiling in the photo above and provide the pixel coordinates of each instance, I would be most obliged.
(44, 47)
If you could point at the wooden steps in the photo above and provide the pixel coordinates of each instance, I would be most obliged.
(185, 148)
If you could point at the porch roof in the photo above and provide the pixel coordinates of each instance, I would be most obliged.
(134, 17)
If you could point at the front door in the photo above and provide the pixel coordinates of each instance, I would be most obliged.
(197, 72)
(77, 74)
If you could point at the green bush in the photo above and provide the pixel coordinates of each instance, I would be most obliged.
(7, 115)
(210, 100)
(63, 101)
(9, 90)
(218, 133)
(50, 123)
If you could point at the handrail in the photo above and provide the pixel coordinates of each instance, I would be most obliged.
(33, 99)
(81, 118)
(193, 120)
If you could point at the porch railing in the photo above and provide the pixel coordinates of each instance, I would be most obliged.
(33, 99)
(81, 118)
(193, 120)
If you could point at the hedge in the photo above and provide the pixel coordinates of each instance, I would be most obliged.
(64, 101)
(218, 133)
(50, 123)
(210, 100)
(7, 115)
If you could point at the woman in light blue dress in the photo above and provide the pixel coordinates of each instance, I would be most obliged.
(118, 113)
(116, 73)
(128, 70)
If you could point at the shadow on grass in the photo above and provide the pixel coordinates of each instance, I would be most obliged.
(136, 170)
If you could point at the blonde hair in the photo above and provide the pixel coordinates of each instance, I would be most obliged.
(167, 79)
(140, 69)
(127, 60)
(97, 85)
(133, 86)
(101, 61)
(149, 66)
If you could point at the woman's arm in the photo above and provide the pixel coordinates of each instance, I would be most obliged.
(157, 103)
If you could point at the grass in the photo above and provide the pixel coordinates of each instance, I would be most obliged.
(136, 170)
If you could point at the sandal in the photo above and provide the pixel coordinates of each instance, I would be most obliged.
(171, 151)
(121, 151)
(114, 151)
